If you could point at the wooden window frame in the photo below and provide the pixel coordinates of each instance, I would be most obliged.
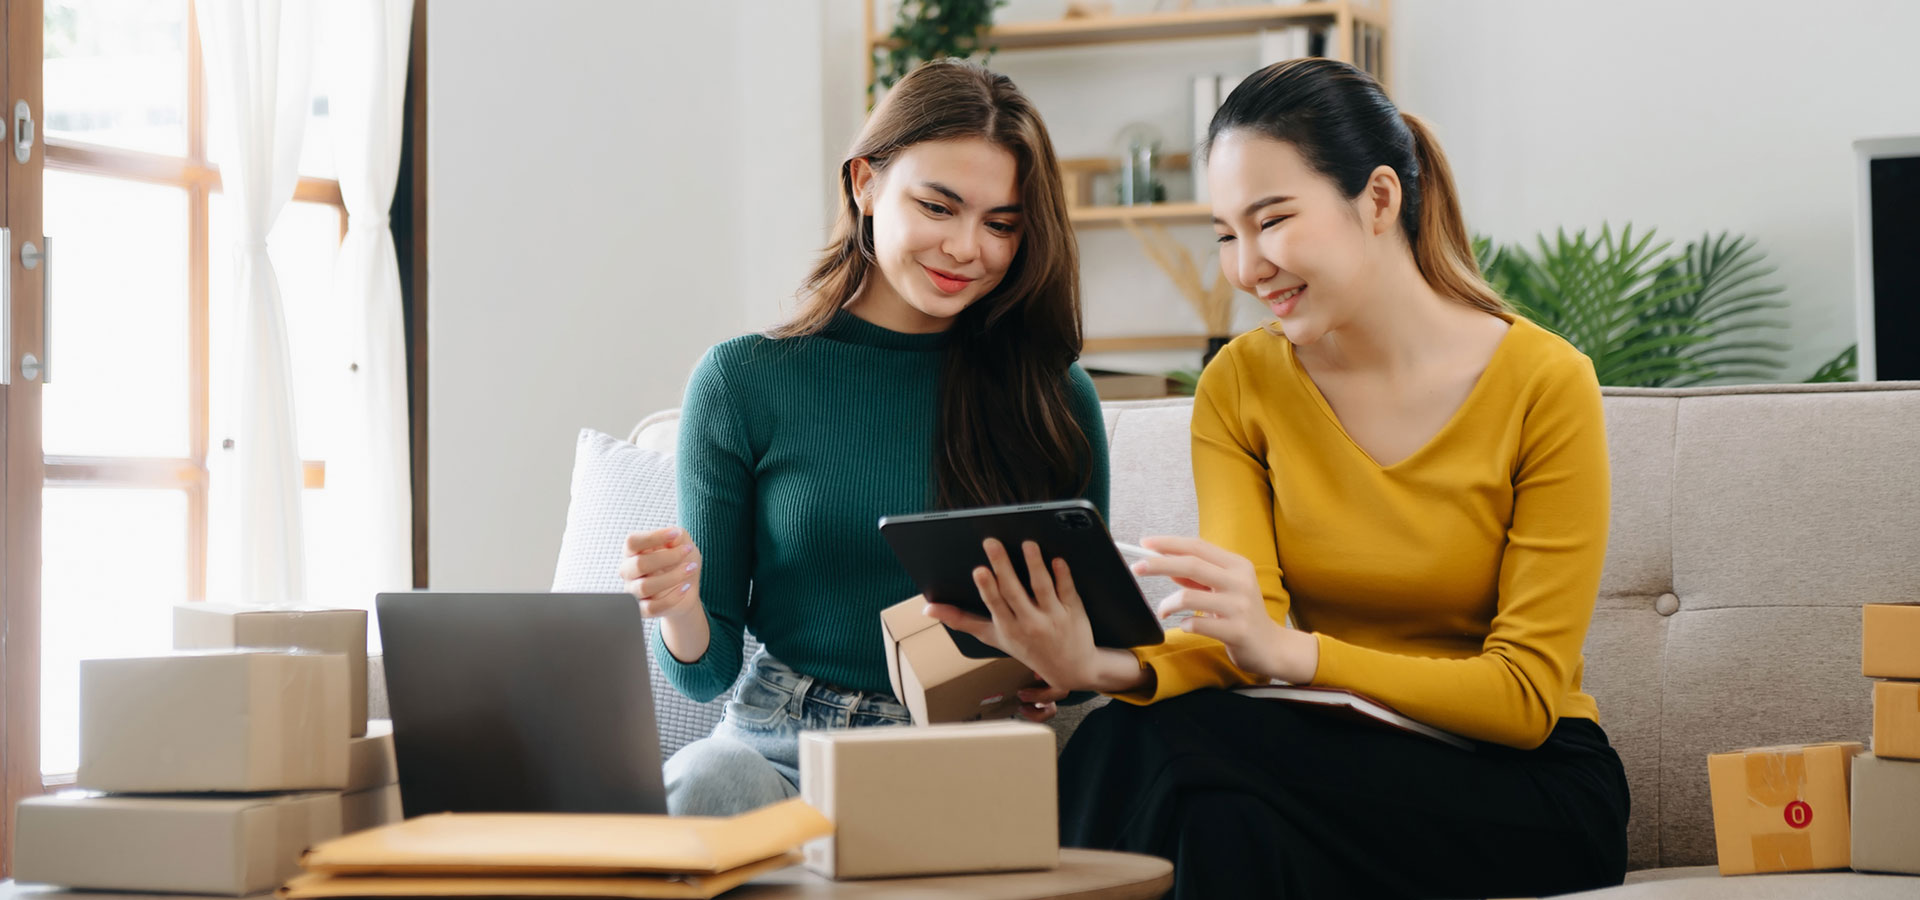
(23, 475)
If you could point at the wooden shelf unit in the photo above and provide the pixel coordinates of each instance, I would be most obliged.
(1145, 343)
(1196, 23)
(1165, 213)
(1346, 15)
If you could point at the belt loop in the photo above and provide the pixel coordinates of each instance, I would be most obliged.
(798, 704)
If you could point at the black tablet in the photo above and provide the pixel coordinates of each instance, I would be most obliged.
(940, 550)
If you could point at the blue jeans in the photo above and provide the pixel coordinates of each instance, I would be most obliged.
(753, 757)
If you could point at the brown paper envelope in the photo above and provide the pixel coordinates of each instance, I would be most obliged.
(505, 844)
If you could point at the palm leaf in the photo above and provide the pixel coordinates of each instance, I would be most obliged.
(1843, 367)
(1647, 317)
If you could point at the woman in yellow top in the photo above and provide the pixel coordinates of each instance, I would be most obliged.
(1419, 477)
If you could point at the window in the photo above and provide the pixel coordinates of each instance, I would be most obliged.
(132, 408)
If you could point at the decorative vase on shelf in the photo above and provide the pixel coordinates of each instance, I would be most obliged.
(1214, 346)
(1137, 149)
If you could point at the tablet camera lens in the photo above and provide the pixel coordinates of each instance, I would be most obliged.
(1075, 520)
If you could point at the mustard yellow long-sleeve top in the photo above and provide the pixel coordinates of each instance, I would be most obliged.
(1456, 585)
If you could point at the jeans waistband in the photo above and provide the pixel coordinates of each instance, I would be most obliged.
(802, 688)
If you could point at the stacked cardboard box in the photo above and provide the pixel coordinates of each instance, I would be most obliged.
(209, 771)
(372, 795)
(1886, 785)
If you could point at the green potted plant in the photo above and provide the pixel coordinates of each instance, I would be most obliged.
(1650, 318)
(931, 29)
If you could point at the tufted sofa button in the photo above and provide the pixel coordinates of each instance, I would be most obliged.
(1667, 605)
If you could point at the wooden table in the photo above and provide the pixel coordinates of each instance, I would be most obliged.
(1082, 875)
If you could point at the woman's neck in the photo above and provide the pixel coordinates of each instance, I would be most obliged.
(1394, 325)
(877, 303)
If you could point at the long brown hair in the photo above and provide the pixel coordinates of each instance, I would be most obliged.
(1006, 431)
(1344, 126)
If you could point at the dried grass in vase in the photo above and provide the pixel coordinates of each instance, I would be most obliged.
(1214, 304)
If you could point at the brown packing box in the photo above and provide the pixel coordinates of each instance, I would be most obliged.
(1896, 719)
(209, 626)
(1890, 640)
(225, 845)
(243, 721)
(934, 681)
(370, 760)
(370, 808)
(1886, 815)
(1781, 809)
(932, 800)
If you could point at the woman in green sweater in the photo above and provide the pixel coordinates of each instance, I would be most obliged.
(930, 365)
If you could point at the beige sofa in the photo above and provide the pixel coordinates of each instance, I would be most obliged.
(1749, 524)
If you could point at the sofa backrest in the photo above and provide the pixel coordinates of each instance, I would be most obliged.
(1749, 524)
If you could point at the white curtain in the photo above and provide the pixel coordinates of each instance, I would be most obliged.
(259, 57)
(367, 469)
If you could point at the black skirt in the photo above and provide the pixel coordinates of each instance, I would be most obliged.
(1259, 798)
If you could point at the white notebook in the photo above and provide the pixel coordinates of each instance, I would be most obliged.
(1358, 707)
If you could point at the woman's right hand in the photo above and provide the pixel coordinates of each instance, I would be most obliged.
(662, 570)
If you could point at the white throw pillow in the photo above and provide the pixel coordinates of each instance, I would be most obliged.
(618, 489)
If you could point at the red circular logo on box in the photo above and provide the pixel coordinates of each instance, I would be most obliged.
(1799, 814)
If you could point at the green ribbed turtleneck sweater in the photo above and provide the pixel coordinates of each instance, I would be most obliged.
(790, 452)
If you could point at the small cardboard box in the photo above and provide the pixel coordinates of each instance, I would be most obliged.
(934, 681)
(932, 800)
(370, 760)
(243, 721)
(1781, 809)
(229, 845)
(208, 626)
(1886, 815)
(1890, 640)
(370, 808)
(1896, 719)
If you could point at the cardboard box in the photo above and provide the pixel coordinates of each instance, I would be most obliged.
(208, 626)
(934, 681)
(370, 808)
(932, 800)
(1890, 640)
(370, 760)
(1886, 815)
(229, 846)
(1896, 719)
(213, 721)
(1782, 809)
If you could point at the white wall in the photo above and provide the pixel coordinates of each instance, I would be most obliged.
(615, 186)
(612, 188)
(1689, 115)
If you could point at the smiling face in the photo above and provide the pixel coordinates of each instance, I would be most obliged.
(1289, 237)
(946, 226)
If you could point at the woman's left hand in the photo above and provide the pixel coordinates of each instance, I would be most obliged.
(1221, 590)
(1040, 701)
(1047, 629)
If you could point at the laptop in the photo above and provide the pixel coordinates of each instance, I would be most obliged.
(520, 703)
